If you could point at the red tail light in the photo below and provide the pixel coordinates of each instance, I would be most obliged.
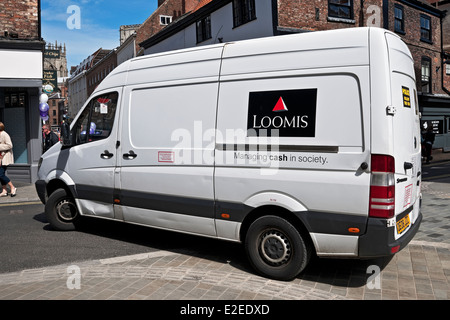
(382, 187)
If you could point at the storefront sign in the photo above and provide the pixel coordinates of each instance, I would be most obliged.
(52, 54)
(437, 125)
(50, 78)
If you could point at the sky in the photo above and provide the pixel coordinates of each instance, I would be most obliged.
(87, 25)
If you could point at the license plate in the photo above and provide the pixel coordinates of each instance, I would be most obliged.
(402, 224)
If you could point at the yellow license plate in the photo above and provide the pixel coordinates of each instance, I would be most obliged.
(402, 224)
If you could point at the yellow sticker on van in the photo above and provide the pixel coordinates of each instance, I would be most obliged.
(406, 97)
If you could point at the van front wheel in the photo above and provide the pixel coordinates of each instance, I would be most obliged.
(275, 248)
(61, 211)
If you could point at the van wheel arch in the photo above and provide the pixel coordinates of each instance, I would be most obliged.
(56, 184)
(60, 208)
(276, 242)
(275, 211)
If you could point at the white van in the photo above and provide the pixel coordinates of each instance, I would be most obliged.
(292, 145)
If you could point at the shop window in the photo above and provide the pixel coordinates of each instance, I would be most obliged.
(15, 122)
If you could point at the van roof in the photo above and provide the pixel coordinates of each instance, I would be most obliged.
(320, 50)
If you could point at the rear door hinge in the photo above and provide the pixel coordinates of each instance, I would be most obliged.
(391, 110)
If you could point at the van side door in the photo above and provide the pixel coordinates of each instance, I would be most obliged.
(166, 157)
(91, 160)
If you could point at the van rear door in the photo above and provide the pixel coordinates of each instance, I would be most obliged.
(406, 135)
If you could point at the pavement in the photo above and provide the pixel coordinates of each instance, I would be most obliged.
(421, 271)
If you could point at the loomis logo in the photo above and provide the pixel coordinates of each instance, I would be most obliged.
(280, 106)
(291, 112)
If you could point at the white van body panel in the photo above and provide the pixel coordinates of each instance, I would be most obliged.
(176, 163)
(191, 154)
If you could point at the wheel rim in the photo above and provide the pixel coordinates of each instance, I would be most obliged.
(275, 247)
(66, 210)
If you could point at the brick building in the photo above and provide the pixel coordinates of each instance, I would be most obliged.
(100, 70)
(167, 12)
(78, 84)
(444, 5)
(21, 63)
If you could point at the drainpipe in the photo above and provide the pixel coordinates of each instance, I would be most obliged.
(361, 14)
(444, 13)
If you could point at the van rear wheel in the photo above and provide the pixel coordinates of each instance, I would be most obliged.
(61, 211)
(275, 248)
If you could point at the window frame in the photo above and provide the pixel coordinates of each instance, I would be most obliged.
(203, 29)
(244, 11)
(401, 20)
(428, 39)
(165, 20)
(350, 6)
(423, 83)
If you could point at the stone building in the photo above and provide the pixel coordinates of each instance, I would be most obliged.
(21, 56)
(59, 61)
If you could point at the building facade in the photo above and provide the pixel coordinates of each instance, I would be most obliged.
(168, 12)
(55, 61)
(100, 70)
(418, 23)
(77, 83)
(21, 65)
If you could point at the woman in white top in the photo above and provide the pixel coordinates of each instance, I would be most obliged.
(6, 158)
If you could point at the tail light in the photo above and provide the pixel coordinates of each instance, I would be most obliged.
(382, 187)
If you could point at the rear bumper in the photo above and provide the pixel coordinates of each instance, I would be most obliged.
(378, 240)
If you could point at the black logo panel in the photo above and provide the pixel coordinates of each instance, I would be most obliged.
(292, 113)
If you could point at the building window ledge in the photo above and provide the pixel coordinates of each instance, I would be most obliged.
(426, 41)
(342, 20)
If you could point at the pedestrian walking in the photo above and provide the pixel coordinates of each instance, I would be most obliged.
(428, 141)
(50, 138)
(7, 158)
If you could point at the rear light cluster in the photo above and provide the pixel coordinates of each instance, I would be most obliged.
(382, 187)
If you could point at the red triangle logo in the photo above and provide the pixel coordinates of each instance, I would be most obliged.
(280, 106)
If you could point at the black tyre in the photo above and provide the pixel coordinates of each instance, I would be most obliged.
(276, 249)
(61, 211)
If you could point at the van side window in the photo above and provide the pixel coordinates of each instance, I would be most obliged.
(96, 121)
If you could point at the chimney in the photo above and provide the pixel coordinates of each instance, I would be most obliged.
(160, 2)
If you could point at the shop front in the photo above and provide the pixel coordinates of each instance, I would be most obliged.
(435, 111)
(20, 87)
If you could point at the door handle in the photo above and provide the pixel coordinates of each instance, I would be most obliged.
(106, 155)
(130, 155)
(408, 165)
